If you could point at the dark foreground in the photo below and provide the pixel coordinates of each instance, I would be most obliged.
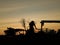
(34, 39)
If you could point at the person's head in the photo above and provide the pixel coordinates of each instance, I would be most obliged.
(32, 22)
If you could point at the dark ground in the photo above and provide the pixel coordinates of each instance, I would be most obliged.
(32, 39)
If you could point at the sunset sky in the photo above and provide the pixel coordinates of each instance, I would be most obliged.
(12, 11)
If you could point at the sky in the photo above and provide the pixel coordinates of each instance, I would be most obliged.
(13, 11)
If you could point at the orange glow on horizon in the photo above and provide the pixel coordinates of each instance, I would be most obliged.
(55, 26)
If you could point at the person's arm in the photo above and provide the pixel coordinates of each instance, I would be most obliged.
(35, 27)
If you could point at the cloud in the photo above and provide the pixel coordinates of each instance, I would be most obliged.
(16, 8)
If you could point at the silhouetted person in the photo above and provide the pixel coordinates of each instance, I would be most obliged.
(31, 28)
(32, 25)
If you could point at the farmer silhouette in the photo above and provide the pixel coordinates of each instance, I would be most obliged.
(32, 27)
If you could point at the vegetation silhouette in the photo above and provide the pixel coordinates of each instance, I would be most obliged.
(31, 37)
(11, 31)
